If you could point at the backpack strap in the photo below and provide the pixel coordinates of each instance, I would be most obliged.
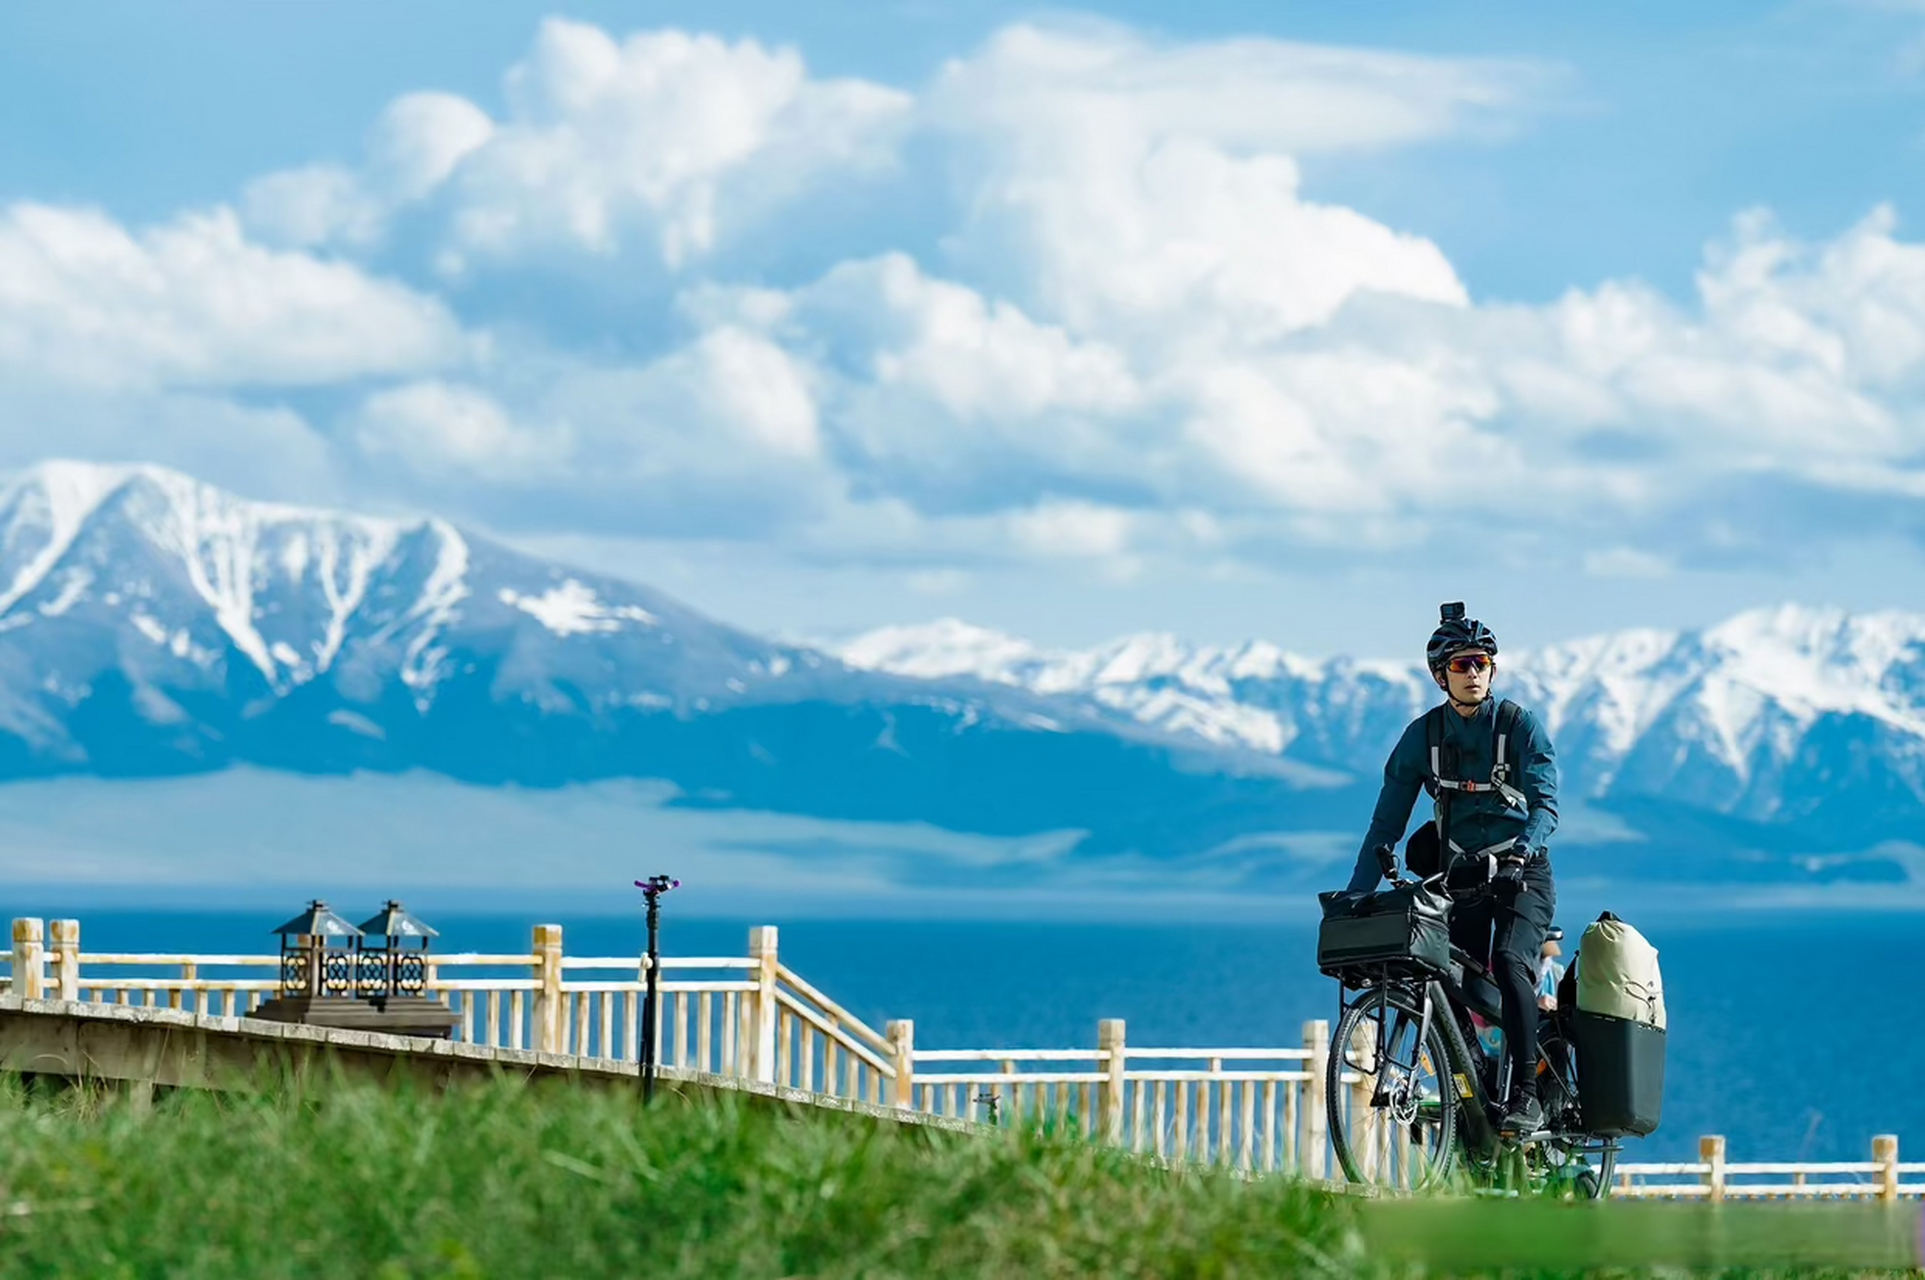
(1434, 730)
(1434, 734)
(1504, 723)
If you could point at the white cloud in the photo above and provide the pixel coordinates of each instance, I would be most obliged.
(268, 451)
(315, 205)
(1138, 331)
(439, 429)
(1796, 356)
(1625, 562)
(720, 434)
(413, 148)
(953, 397)
(939, 582)
(1252, 94)
(972, 357)
(729, 400)
(194, 302)
(663, 130)
(419, 140)
(1142, 184)
(665, 137)
(1072, 529)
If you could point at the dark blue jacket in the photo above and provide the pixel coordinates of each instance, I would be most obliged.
(1477, 819)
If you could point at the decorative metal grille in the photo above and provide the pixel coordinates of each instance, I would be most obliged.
(373, 973)
(294, 973)
(337, 973)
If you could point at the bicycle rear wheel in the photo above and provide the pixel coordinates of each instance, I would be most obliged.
(1393, 1114)
(1595, 1182)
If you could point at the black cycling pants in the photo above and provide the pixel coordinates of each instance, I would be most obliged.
(1505, 932)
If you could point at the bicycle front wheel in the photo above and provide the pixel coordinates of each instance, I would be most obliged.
(1393, 1114)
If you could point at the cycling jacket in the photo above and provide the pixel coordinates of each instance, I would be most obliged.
(1477, 819)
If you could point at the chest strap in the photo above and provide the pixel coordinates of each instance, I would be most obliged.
(1500, 779)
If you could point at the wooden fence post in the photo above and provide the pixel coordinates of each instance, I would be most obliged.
(29, 982)
(902, 1039)
(66, 954)
(550, 1024)
(1885, 1156)
(1109, 1100)
(1711, 1152)
(762, 949)
(1316, 1117)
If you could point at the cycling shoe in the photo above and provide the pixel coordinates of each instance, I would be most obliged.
(1524, 1117)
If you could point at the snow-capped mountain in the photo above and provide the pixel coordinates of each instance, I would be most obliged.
(154, 625)
(1805, 727)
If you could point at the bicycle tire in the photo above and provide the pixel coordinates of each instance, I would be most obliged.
(1600, 1177)
(1529, 1169)
(1365, 1143)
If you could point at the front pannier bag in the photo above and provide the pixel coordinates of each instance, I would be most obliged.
(1619, 1026)
(1403, 931)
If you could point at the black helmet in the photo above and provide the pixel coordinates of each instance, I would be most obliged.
(1454, 634)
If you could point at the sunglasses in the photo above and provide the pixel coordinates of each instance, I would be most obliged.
(1470, 662)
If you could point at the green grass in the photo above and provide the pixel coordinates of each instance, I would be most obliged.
(509, 1180)
(514, 1180)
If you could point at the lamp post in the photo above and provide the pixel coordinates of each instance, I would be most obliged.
(394, 973)
(333, 976)
(652, 890)
(398, 965)
(320, 966)
(319, 955)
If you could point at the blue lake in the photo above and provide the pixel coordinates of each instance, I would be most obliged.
(1783, 1035)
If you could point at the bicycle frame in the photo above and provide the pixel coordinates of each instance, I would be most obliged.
(1476, 1133)
(1473, 1098)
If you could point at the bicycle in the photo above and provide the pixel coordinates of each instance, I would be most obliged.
(1409, 1092)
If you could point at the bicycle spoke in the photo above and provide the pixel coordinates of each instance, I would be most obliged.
(1391, 1119)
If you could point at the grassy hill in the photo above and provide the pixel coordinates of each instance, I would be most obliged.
(513, 1180)
(509, 1180)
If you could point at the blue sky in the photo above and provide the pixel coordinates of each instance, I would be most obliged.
(1230, 320)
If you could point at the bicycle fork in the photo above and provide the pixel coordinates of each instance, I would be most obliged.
(1413, 1069)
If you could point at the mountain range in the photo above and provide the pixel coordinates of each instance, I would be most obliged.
(152, 626)
(1783, 743)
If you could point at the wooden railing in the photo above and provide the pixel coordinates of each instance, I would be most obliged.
(1256, 1110)
(1238, 1108)
(1712, 1177)
(746, 1016)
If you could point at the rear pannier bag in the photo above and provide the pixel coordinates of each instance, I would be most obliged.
(1404, 930)
(1619, 1028)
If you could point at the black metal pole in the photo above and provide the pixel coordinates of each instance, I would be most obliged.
(652, 890)
(648, 1010)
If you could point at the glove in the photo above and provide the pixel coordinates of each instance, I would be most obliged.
(1508, 880)
(1387, 860)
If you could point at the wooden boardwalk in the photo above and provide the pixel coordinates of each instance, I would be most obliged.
(750, 1023)
(142, 1049)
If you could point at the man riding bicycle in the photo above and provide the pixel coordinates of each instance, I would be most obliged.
(1489, 765)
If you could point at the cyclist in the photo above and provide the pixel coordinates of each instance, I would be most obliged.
(1490, 767)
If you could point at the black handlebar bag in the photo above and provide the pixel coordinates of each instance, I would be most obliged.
(1402, 931)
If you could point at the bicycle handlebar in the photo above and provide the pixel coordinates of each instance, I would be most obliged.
(1441, 882)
